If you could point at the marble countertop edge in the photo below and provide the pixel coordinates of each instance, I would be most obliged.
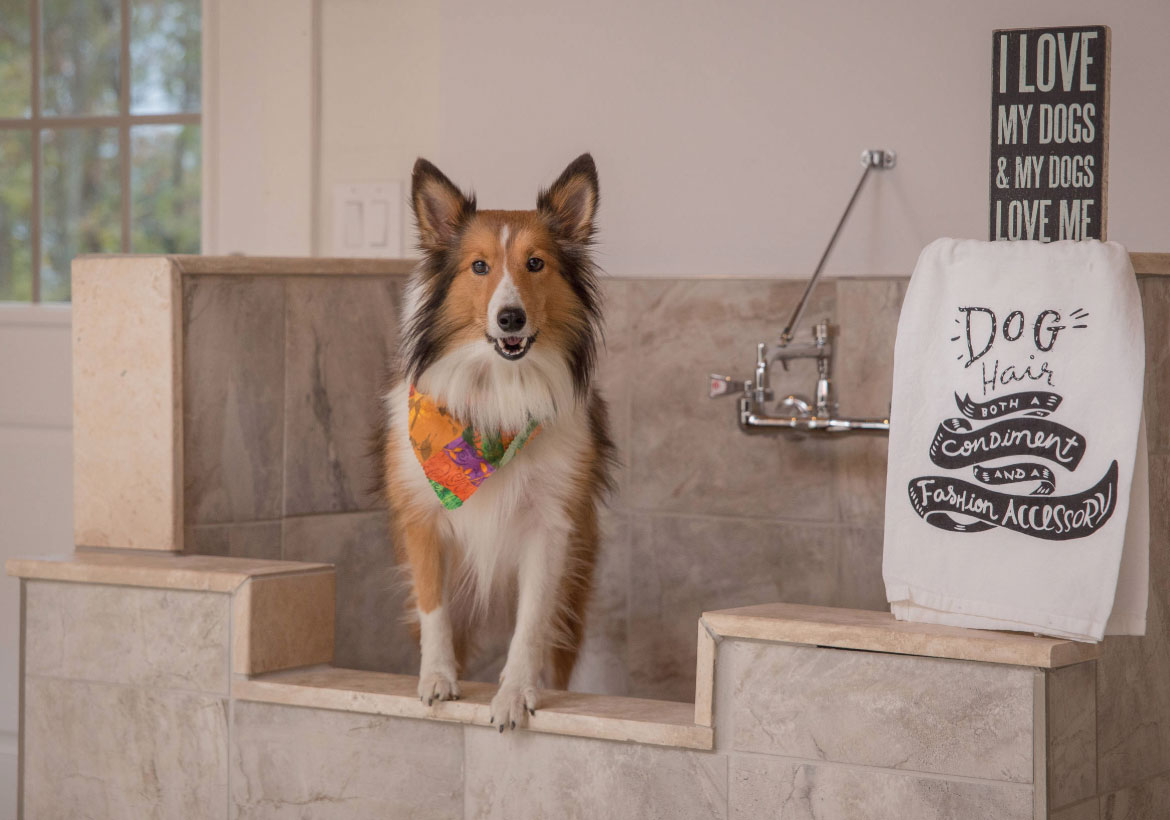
(1145, 263)
(162, 570)
(880, 632)
(598, 717)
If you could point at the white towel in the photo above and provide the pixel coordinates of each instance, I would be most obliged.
(1015, 438)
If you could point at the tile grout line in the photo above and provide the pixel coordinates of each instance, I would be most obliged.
(143, 687)
(231, 701)
(284, 353)
(1040, 796)
(293, 517)
(463, 740)
(862, 767)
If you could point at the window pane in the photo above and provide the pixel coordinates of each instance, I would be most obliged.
(81, 202)
(15, 59)
(81, 44)
(15, 216)
(165, 182)
(164, 56)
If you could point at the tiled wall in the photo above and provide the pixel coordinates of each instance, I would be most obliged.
(281, 379)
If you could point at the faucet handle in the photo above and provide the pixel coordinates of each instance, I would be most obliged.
(725, 386)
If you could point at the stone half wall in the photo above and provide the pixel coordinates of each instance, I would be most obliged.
(263, 413)
(200, 687)
(281, 377)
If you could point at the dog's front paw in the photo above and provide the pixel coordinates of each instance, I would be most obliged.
(512, 705)
(435, 686)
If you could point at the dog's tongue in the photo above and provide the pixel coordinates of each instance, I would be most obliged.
(512, 341)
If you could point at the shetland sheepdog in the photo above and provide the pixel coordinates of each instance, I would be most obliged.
(496, 453)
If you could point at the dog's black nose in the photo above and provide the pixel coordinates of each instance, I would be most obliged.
(511, 319)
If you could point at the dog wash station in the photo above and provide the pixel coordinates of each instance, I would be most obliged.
(161, 683)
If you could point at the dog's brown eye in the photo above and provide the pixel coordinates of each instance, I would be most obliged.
(535, 263)
(479, 266)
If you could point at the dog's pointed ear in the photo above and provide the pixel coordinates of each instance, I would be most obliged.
(439, 207)
(571, 203)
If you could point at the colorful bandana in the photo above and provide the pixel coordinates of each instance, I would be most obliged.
(455, 457)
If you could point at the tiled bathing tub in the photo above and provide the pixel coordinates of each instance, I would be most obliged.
(222, 409)
(159, 685)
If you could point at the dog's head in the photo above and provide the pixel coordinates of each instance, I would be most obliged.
(503, 314)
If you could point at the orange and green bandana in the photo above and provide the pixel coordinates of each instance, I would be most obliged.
(456, 457)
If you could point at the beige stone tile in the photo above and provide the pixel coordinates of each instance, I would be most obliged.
(521, 775)
(1072, 733)
(237, 264)
(171, 639)
(127, 460)
(879, 632)
(1160, 528)
(283, 622)
(616, 376)
(891, 711)
(370, 624)
(289, 763)
(204, 573)
(257, 539)
(601, 666)
(340, 335)
(1148, 800)
(654, 722)
(867, 316)
(859, 472)
(233, 398)
(687, 453)
(867, 311)
(1133, 700)
(111, 752)
(1133, 703)
(791, 790)
(682, 566)
(1085, 810)
(1155, 292)
(705, 677)
(859, 575)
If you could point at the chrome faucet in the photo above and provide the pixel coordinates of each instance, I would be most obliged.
(793, 413)
(796, 413)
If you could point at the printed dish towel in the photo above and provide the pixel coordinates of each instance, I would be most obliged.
(1017, 496)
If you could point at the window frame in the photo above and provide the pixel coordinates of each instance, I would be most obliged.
(37, 123)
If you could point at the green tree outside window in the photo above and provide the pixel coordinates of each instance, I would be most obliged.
(99, 135)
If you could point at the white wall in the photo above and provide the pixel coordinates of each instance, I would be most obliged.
(379, 96)
(726, 134)
(36, 486)
(259, 126)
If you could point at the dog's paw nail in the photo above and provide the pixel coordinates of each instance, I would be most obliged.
(501, 728)
(531, 711)
(513, 724)
(492, 719)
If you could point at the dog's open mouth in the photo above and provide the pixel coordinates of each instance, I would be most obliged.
(513, 347)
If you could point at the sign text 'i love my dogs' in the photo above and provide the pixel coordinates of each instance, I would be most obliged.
(1049, 133)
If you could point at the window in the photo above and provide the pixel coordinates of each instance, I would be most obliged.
(99, 135)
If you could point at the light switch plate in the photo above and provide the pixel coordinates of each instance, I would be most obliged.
(367, 219)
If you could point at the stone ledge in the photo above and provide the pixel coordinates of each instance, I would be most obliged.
(601, 717)
(205, 573)
(880, 632)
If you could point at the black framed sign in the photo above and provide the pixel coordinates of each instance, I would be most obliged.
(1050, 133)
